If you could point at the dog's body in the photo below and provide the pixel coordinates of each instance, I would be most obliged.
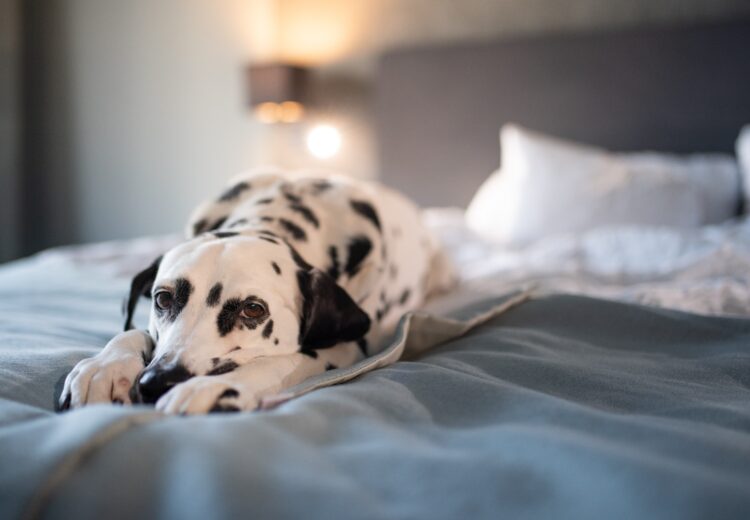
(282, 278)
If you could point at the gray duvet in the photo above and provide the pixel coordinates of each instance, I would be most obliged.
(562, 407)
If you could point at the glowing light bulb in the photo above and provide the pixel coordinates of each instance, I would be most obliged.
(324, 141)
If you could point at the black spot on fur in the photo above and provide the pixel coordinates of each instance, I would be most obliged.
(218, 224)
(234, 192)
(268, 329)
(265, 218)
(268, 239)
(297, 232)
(231, 312)
(404, 296)
(228, 316)
(359, 247)
(306, 213)
(321, 186)
(330, 366)
(260, 202)
(235, 349)
(367, 211)
(334, 271)
(225, 234)
(301, 262)
(275, 341)
(215, 361)
(238, 222)
(214, 295)
(276, 267)
(182, 291)
(380, 313)
(229, 392)
(224, 368)
(199, 226)
(291, 197)
(362, 344)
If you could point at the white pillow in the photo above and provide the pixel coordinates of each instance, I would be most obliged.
(548, 186)
(743, 156)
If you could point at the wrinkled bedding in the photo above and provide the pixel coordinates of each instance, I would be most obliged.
(563, 406)
(704, 270)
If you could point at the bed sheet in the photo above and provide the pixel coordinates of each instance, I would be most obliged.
(565, 406)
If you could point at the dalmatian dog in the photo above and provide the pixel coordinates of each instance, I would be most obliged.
(283, 277)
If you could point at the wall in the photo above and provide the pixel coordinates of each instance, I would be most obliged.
(135, 110)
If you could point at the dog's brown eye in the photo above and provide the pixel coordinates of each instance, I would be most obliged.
(163, 300)
(253, 310)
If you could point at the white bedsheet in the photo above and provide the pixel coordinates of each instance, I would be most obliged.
(705, 270)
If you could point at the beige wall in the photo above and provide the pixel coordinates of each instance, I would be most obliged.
(139, 111)
(160, 118)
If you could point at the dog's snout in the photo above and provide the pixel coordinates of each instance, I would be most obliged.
(157, 380)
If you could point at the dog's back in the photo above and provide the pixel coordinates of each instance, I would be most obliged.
(370, 239)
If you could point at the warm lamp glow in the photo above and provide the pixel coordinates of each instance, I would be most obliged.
(266, 112)
(286, 112)
(324, 141)
(313, 33)
(290, 112)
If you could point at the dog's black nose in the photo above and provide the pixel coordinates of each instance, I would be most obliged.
(157, 380)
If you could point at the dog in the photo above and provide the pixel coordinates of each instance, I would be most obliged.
(283, 276)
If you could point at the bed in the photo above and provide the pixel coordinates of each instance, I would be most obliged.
(618, 387)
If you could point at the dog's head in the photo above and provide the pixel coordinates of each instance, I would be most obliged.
(223, 299)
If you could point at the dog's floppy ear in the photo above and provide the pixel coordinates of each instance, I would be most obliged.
(329, 315)
(140, 286)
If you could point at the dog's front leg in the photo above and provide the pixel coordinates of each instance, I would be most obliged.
(243, 388)
(108, 376)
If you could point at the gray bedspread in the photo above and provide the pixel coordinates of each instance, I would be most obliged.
(563, 407)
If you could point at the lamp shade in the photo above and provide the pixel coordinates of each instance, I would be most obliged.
(276, 83)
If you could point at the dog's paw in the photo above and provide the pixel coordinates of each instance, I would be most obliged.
(106, 377)
(204, 394)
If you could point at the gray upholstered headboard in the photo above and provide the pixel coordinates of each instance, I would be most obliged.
(439, 110)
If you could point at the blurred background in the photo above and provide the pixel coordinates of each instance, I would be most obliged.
(118, 117)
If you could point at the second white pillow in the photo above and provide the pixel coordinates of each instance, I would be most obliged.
(549, 186)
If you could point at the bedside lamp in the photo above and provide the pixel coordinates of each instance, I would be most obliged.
(276, 92)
